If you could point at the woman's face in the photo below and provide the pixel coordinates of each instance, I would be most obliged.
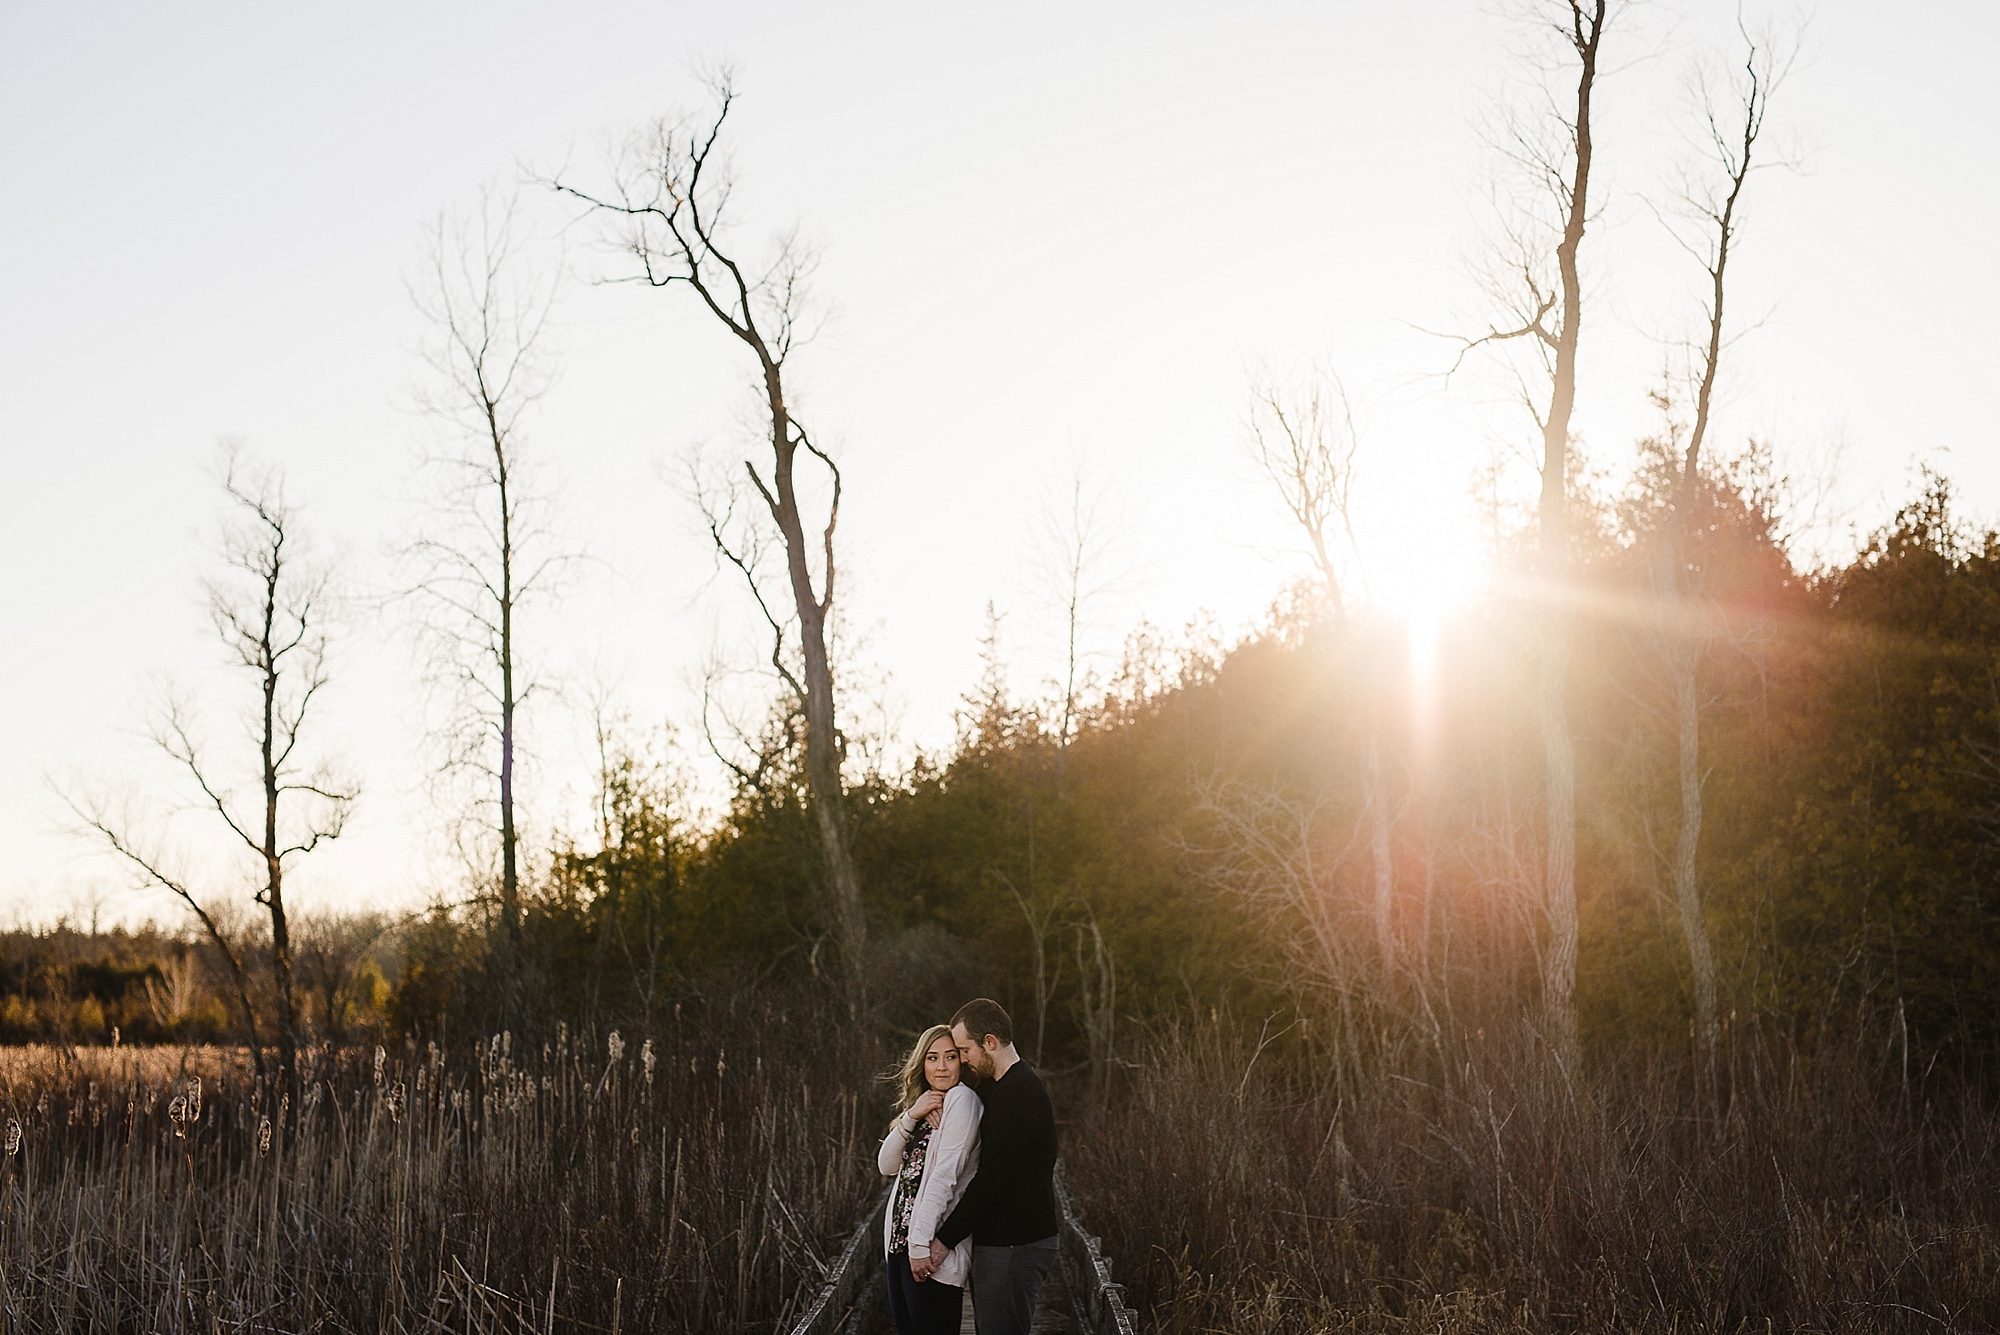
(941, 1063)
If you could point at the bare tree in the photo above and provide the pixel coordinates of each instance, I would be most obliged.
(487, 552)
(1039, 908)
(136, 838)
(1075, 559)
(1272, 854)
(1097, 1001)
(268, 608)
(1302, 438)
(669, 200)
(1554, 157)
(1705, 220)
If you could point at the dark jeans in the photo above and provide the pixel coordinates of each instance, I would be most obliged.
(929, 1308)
(1005, 1283)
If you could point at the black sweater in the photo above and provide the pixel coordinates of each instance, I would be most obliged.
(1012, 1199)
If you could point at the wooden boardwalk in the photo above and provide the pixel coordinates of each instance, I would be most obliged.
(1078, 1298)
(1056, 1312)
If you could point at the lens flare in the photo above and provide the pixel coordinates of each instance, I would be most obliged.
(1426, 578)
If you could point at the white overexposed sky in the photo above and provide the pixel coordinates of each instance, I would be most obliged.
(1052, 233)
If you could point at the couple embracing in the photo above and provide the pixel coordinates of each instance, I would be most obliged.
(973, 1152)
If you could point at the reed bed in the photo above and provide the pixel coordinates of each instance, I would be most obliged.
(686, 1181)
(1465, 1185)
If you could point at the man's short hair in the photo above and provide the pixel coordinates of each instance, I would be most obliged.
(982, 1017)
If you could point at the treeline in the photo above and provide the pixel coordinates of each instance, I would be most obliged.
(1206, 835)
(74, 986)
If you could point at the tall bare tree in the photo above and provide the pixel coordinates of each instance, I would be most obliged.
(1554, 156)
(269, 607)
(1302, 438)
(669, 201)
(487, 552)
(1705, 217)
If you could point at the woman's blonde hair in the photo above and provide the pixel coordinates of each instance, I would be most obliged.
(908, 1078)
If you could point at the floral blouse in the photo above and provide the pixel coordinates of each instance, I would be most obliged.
(907, 1181)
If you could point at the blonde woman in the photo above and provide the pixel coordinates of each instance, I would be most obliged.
(932, 1150)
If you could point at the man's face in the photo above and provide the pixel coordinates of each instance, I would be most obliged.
(970, 1051)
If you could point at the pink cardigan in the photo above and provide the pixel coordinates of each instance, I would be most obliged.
(949, 1166)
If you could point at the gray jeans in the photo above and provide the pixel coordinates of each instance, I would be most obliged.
(1005, 1283)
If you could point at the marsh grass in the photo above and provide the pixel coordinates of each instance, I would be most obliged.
(1466, 1185)
(692, 1181)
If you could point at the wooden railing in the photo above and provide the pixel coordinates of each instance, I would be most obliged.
(852, 1287)
(1100, 1301)
(862, 1255)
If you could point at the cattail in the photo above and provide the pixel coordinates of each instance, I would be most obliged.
(13, 1136)
(506, 1042)
(194, 1098)
(616, 1044)
(380, 1057)
(177, 1114)
(393, 1102)
(264, 1136)
(647, 1059)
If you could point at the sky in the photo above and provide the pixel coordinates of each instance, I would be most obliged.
(1056, 240)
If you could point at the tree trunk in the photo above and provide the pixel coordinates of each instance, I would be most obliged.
(510, 875)
(274, 864)
(822, 738)
(1377, 799)
(1559, 886)
(1686, 889)
(1683, 647)
(1558, 748)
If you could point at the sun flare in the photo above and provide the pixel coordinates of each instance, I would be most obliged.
(1424, 577)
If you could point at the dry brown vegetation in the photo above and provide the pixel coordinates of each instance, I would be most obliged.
(693, 1182)
(1464, 1184)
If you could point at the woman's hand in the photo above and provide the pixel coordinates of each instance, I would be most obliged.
(921, 1267)
(927, 1104)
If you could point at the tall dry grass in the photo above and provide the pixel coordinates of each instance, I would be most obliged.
(1466, 1185)
(698, 1181)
